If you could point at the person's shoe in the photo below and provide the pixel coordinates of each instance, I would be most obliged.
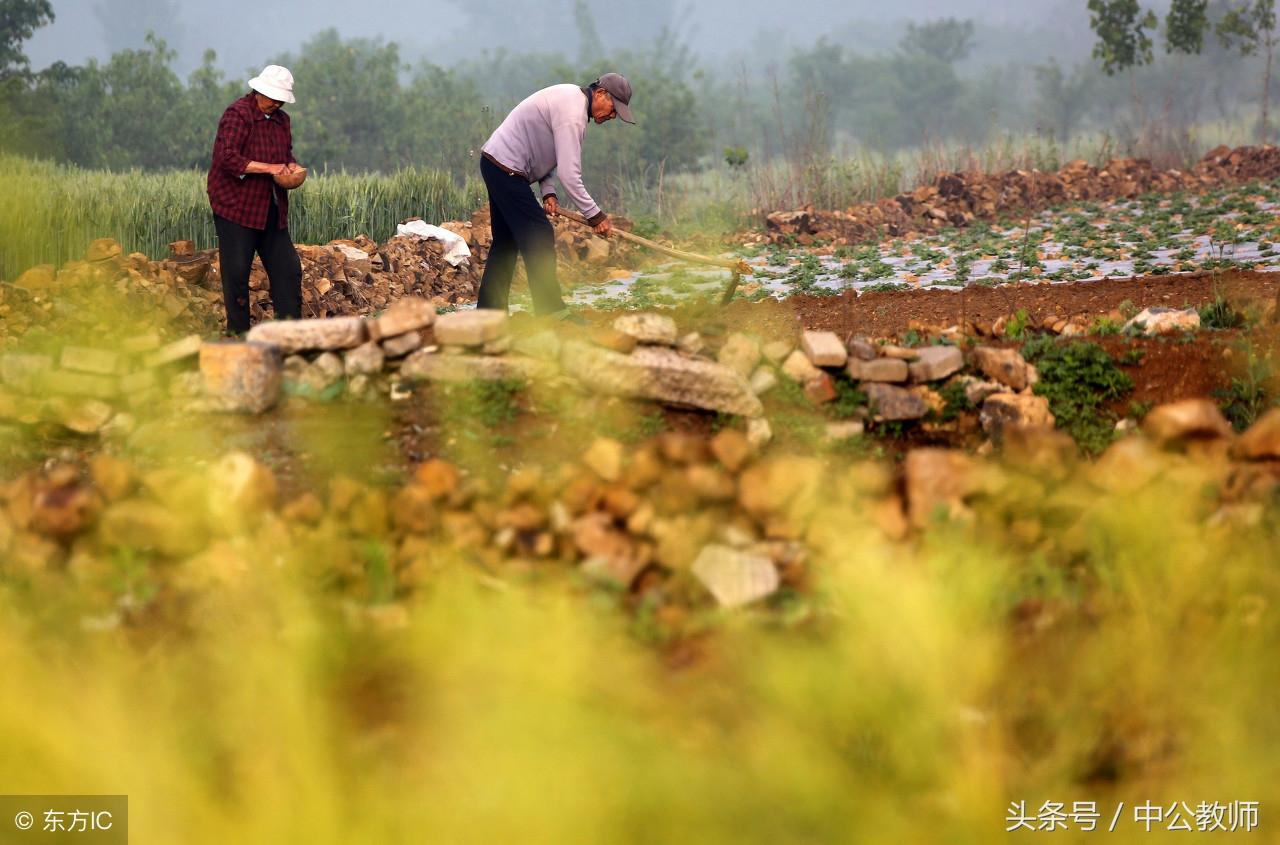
(567, 316)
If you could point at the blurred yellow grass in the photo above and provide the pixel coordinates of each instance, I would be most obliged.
(912, 708)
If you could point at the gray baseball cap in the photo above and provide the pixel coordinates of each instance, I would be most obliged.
(620, 89)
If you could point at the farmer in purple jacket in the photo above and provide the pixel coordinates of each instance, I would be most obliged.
(541, 139)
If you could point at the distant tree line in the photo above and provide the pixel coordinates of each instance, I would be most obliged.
(361, 107)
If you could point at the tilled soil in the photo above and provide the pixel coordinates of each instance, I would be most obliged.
(880, 314)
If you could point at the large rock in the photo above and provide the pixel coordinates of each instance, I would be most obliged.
(890, 403)
(1001, 411)
(731, 448)
(1153, 321)
(240, 491)
(40, 277)
(137, 524)
(648, 328)
(938, 480)
(544, 345)
(103, 249)
(366, 359)
(401, 345)
(424, 365)
(23, 372)
(798, 367)
(887, 370)
(824, 349)
(610, 554)
(470, 328)
(242, 377)
(404, 315)
(302, 335)
(735, 577)
(172, 353)
(605, 457)
(740, 354)
(85, 359)
(1261, 442)
(663, 375)
(357, 260)
(84, 416)
(1006, 366)
(67, 383)
(934, 363)
(1186, 420)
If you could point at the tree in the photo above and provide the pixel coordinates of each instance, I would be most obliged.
(1121, 26)
(1185, 26)
(19, 19)
(1063, 99)
(590, 47)
(1251, 27)
(948, 40)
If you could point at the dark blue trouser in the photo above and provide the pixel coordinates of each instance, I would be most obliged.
(520, 227)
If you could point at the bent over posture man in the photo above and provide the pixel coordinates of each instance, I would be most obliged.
(540, 139)
(253, 168)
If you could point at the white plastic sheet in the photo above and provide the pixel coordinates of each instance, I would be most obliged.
(455, 248)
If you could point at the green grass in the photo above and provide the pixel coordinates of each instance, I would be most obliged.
(49, 213)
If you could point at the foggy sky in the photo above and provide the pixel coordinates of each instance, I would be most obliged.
(245, 34)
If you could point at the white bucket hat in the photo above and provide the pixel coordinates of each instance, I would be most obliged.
(275, 82)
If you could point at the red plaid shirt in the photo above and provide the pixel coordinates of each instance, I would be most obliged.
(245, 134)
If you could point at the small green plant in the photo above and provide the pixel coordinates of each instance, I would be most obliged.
(1105, 326)
(957, 401)
(913, 338)
(1250, 391)
(1016, 328)
(1139, 410)
(736, 157)
(849, 401)
(1078, 379)
(1220, 315)
(1132, 356)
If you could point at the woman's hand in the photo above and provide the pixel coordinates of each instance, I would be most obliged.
(291, 176)
(551, 205)
(268, 169)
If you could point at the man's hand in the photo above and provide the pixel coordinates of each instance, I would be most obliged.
(605, 227)
(551, 205)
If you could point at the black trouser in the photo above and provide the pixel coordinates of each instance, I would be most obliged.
(520, 226)
(236, 246)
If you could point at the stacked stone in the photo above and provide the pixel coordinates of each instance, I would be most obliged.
(83, 388)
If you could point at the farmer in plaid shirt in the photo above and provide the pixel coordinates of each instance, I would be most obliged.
(252, 171)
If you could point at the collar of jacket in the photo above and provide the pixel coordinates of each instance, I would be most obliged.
(249, 105)
(588, 90)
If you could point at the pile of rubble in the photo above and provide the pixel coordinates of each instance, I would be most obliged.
(344, 277)
(677, 521)
(957, 199)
